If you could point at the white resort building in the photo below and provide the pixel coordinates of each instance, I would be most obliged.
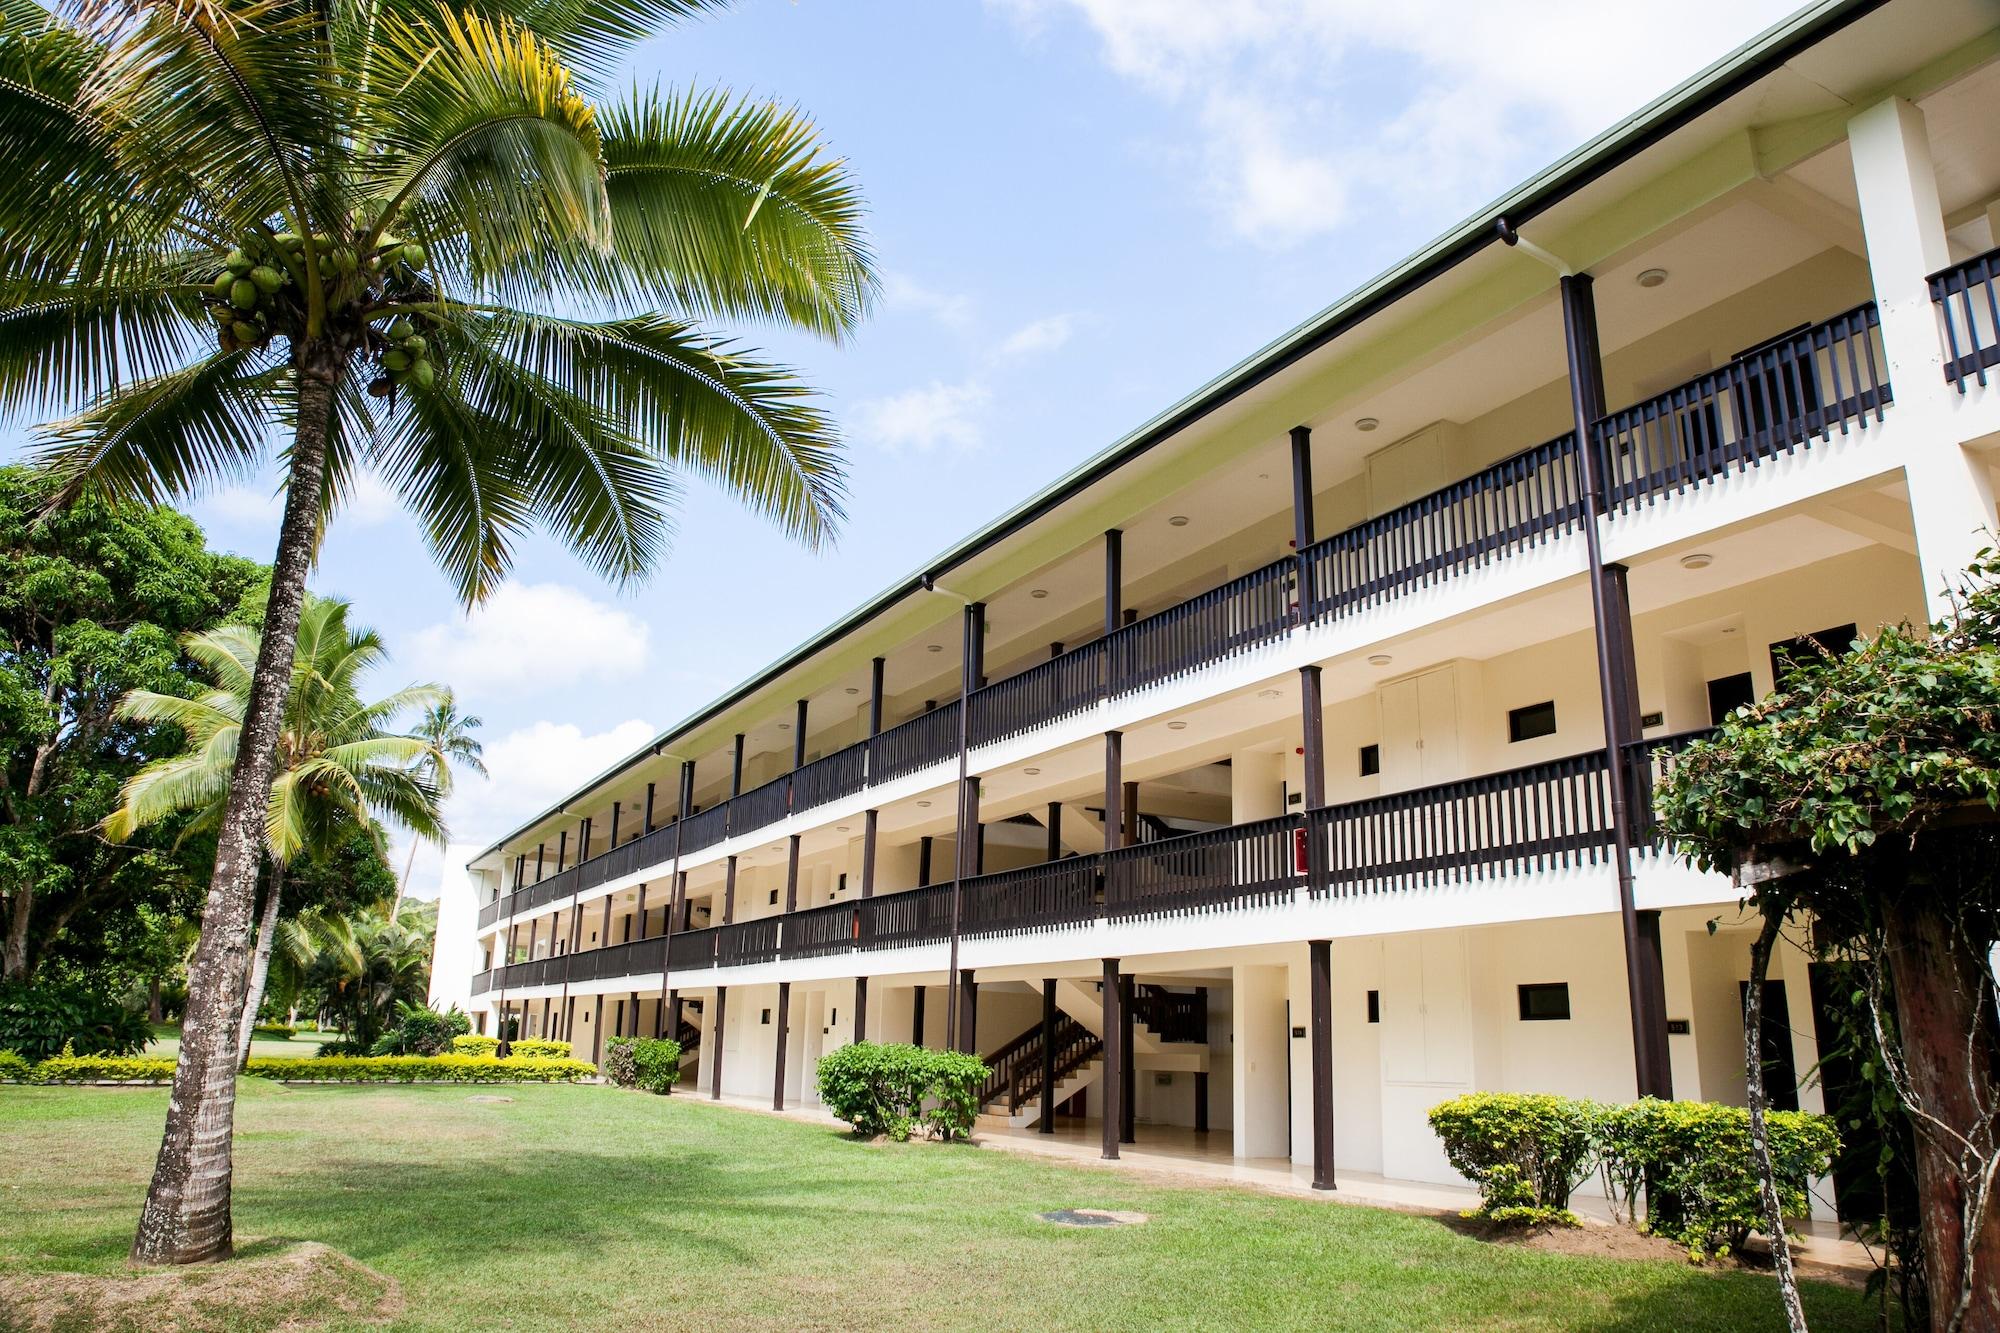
(1284, 769)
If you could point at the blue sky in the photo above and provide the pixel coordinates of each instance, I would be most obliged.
(1082, 209)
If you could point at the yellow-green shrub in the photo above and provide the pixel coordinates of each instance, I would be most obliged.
(103, 1069)
(540, 1048)
(1525, 1151)
(474, 1044)
(419, 1069)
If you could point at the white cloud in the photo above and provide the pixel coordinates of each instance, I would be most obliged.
(1040, 335)
(241, 507)
(926, 418)
(527, 771)
(543, 635)
(368, 502)
(902, 292)
(1309, 109)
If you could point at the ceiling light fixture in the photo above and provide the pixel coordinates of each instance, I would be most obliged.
(1698, 560)
(1365, 424)
(1652, 277)
(784, 726)
(1178, 521)
(923, 805)
(852, 690)
(1176, 726)
(934, 648)
(1038, 593)
(1379, 659)
(1267, 694)
(1031, 771)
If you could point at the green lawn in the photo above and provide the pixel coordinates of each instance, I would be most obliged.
(167, 1042)
(591, 1208)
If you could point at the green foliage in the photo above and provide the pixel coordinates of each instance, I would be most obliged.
(274, 1031)
(341, 1046)
(539, 1048)
(884, 1089)
(649, 1063)
(418, 1069)
(1694, 1160)
(474, 1044)
(14, 1067)
(1525, 1151)
(421, 1030)
(39, 1021)
(104, 1069)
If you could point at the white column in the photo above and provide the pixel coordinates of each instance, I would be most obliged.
(1258, 1091)
(1951, 496)
(1256, 786)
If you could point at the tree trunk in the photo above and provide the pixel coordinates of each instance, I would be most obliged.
(14, 956)
(1946, 1022)
(260, 965)
(186, 1218)
(1760, 1140)
(403, 884)
(155, 1011)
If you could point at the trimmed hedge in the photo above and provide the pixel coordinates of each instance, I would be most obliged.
(104, 1069)
(1693, 1159)
(651, 1063)
(14, 1067)
(420, 1069)
(474, 1045)
(275, 1031)
(894, 1089)
(539, 1048)
(1525, 1151)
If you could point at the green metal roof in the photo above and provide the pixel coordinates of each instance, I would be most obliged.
(1702, 92)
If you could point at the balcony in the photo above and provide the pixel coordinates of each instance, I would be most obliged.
(1775, 399)
(1969, 313)
(1524, 821)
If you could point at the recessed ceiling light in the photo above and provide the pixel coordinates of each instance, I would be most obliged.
(1366, 424)
(1267, 694)
(1379, 659)
(923, 805)
(1729, 629)
(1031, 771)
(1178, 521)
(840, 828)
(1176, 726)
(1652, 277)
(852, 690)
(933, 647)
(784, 726)
(1698, 560)
(1038, 592)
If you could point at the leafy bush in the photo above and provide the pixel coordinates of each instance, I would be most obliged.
(474, 1044)
(1525, 1151)
(38, 1021)
(104, 1069)
(883, 1089)
(274, 1031)
(421, 1031)
(14, 1067)
(643, 1062)
(340, 1047)
(418, 1069)
(540, 1048)
(1694, 1160)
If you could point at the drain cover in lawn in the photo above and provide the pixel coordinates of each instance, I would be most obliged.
(1091, 1217)
(488, 1098)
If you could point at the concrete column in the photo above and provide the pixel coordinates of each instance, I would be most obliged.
(1951, 496)
(1258, 1085)
(1256, 786)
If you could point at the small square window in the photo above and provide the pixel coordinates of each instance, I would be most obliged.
(1371, 760)
(1374, 1006)
(1545, 1002)
(767, 1018)
(774, 897)
(1524, 724)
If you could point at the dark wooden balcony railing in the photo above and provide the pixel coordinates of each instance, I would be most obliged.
(760, 806)
(1039, 897)
(1970, 311)
(842, 773)
(633, 958)
(1537, 817)
(692, 948)
(1646, 763)
(1225, 867)
(819, 930)
(1171, 1015)
(747, 942)
(926, 739)
(704, 829)
(898, 920)
(1773, 400)
(1045, 693)
(1529, 497)
(1249, 610)
(491, 911)
(482, 982)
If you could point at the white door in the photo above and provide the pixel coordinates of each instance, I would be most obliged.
(1420, 730)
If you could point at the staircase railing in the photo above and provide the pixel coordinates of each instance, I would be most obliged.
(1171, 1015)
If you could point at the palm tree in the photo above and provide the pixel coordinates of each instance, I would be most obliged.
(397, 235)
(337, 767)
(449, 734)
(364, 964)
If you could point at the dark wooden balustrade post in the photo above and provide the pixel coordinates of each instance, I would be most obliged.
(1054, 852)
(540, 848)
(1113, 1080)
(615, 810)
(714, 1037)
(562, 850)
(1302, 515)
(1114, 791)
(784, 1026)
(924, 862)
(1127, 1074)
(1617, 672)
(792, 874)
(729, 892)
(642, 911)
(1320, 953)
(1049, 1011)
(583, 841)
(648, 821)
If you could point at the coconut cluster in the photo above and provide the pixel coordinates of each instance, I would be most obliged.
(248, 296)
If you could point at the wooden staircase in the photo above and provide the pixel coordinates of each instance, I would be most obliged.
(1170, 1030)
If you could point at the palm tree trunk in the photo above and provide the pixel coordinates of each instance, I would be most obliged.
(186, 1218)
(1760, 1140)
(260, 965)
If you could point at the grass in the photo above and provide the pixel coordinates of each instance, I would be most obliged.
(590, 1208)
(166, 1043)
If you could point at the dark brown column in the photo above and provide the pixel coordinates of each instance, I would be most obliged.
(1113, 1081)
(614, 826)
(1054, 852)
(784, 1026)
(714, 1034)
(649, 811)
(1200, 1102)
(545, 1014)
(604, 931)
(924, 862)
(674, 1016)
(540, 848)
(1129, 816)
(799, 736)
(1618, 687)
(736, 769)
(1048, 1122)
(861, 1009)
(968, 1030)
(1114, 790)
(597, 1033)
(635, 1013)
(642, 911)
(1127, 1074)
(562, 850)
(868, 824)
(1114, 580)
(1320, 953)
(875, 669)
(792, 876)
(729, 892)
(917, 1018)
(583, 841)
